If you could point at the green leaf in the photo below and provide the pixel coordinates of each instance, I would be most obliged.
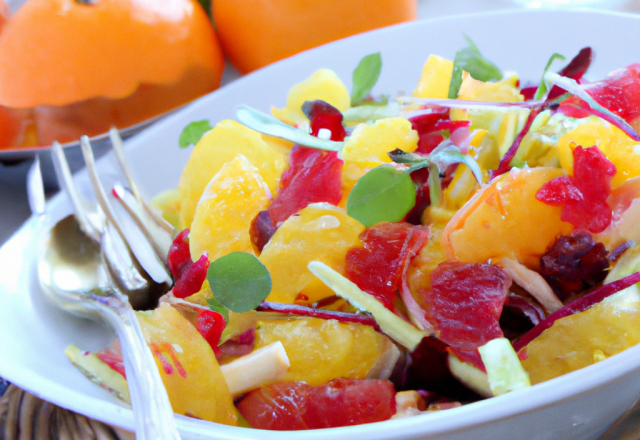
(384, 194)
(365, 76)
(542, 87)
(193, 132)
(471, 60)
(215, 305)
(239, 281)
(456, 82)
(267, 124)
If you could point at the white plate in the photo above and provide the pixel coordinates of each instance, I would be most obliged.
(577, 406)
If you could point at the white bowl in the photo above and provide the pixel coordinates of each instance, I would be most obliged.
(580, 405)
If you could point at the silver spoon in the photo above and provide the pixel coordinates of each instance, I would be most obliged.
(74, 276)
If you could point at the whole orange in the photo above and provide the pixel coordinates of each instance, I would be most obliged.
(84, 65)
(255, 33)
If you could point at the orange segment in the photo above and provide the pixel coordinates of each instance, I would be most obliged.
(323, 85)
(320, 232)
(505, 219)
(76, 54)
(435, 79)
(234, 196)
(321, 350)
(221, 145)
(187, 365)
(585, 338)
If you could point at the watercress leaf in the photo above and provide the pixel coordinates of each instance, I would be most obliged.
(542, 87)
(384, 194)
(365, 76)
(471, 60)
(193, 132)
(447, 154)
(215, 305)
(267, 124)
(456, 82)
(239, 281)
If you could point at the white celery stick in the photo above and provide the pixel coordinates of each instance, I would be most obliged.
(262, 367)
(504, 370)
(396, 328)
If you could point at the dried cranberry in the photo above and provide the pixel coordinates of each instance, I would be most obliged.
(287, 406)
(465, 301)
(210, 325)
(324, 115)
(377, 267)
(584, 196)
(179, 254)
(575, 262)
(191, 278)
(559, 191)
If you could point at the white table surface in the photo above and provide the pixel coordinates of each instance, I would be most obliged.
(14, 209)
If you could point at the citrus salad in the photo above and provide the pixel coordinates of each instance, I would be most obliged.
(353, 258)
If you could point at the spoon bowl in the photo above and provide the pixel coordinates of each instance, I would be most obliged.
(74, 276)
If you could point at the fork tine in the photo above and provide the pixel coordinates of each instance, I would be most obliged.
(63, 174)
(116, 142)
(155, 269)
(35, 188)
(158, 238)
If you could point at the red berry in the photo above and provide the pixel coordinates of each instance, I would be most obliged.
(210, 325)
(179, 255)
(583, 196)
(191, 278)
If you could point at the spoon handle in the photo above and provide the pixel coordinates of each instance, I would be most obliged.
(153, 415)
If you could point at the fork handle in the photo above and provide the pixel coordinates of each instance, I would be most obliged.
(153, 415)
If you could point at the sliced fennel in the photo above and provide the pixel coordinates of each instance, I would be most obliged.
(397, 329)
(504, 370)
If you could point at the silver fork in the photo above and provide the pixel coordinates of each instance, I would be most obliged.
(106, 264)
(142, 283)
